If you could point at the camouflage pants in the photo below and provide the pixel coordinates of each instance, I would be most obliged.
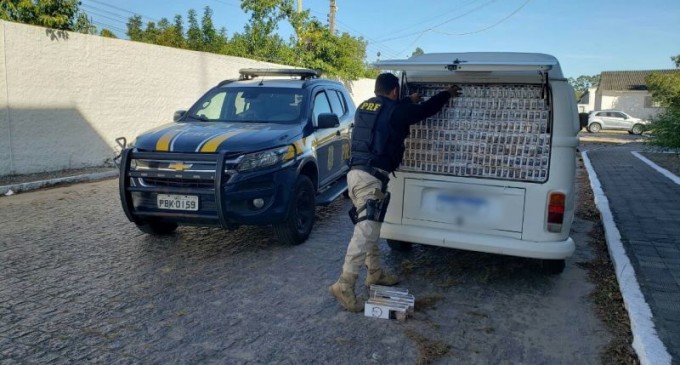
(363, 247)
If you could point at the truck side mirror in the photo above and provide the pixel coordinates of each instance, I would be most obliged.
(178, 115)
(328, 120)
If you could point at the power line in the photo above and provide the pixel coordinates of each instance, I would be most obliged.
(429, 19)
(99, 14)
(107, 26)
(123, 10)
(440, 24)
(371, 42)
(225, 3)
(490, 26)
(94, 8)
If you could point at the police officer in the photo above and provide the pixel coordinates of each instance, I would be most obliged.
(380, 126)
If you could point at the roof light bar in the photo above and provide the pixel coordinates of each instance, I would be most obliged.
(303, 73)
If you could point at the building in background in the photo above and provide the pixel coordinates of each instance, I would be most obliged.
(622, 90)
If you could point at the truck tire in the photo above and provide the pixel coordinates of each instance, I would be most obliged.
(397, 245)
(301, 210)
(552, 267)
(157, 228)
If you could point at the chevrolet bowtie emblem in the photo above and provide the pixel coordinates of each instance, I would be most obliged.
(179, 166)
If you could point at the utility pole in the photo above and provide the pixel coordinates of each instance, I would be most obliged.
(331, 18)
(299, 8)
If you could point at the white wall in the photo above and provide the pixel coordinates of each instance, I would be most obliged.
(631, 102)
(590, 104)
(65, 97)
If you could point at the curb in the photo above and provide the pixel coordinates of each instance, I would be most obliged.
(646, 341)
(18, 188)
(658, 168)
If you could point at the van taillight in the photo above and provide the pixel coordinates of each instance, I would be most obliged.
(556, 211)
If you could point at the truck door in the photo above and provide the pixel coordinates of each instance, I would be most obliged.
(341, 155)
(325, 139)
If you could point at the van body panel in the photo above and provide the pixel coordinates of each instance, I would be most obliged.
(466, 206)
(550, 250)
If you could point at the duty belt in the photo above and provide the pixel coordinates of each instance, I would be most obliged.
(379, 174)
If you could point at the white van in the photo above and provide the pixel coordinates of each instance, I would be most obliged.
(494, 170)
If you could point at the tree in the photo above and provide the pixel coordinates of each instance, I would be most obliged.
(57, 14)
(417, 52)
(312, 45)
(107, 33)
(177, 33)
(212, 40)
(134, 28)
(665, 88)
(194, 35)
(84, 25)
(676, 60)
(582, 83)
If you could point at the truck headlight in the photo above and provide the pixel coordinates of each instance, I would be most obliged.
(268, 158)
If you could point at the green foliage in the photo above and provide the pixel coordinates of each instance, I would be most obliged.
(418, 51)
(665, 128)
(107, 33)
(83, 25)
(582, 83)
(312, 45)
(336, 56)
(665, 88)
(57, 14)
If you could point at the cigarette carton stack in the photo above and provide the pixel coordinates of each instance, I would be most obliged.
(490, 131)
(389, 303)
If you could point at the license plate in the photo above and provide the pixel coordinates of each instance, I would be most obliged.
(461, 205)
(177, 202)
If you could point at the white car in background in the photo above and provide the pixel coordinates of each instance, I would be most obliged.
(615, 120)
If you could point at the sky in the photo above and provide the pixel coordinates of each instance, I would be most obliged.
(586, 36)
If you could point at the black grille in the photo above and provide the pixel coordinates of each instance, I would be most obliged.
(178, 183)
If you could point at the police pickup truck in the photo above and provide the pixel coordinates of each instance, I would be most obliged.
(265, 149)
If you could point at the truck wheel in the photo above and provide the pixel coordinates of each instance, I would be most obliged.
(157, 228)
(552, 267)
(300, 219)
(399, 245)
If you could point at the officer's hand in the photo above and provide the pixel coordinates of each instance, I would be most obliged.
(415, 98)
(454, 90)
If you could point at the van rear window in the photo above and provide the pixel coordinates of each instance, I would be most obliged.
(491, 131)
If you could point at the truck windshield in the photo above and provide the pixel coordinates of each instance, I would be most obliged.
(250, 104)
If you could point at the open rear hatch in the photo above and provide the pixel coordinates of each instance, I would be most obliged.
(498, 132)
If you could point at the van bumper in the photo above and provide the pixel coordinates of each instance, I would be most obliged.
(551, 250)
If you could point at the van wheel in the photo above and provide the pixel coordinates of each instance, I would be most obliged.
(399, 245)
(157, 228)
(637, 129)
(594, 127)
(300, 218)
(552, 267)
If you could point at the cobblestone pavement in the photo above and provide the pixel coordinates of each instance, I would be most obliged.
(79, 284)
(646, 208)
